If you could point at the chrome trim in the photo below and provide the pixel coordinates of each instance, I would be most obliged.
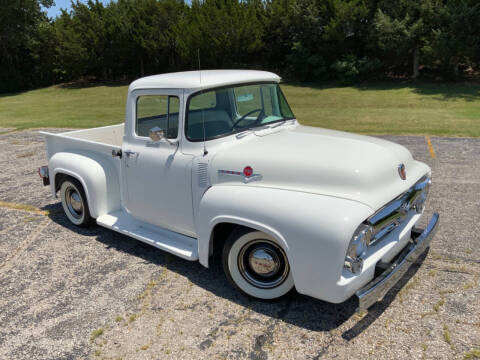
(355, 265)
(402, 172)
(130, 153)
(157, 134)
(358, 248)
(263, 264)
(396, 212)
(378, 287)
(424, 182)
(246, 179)
(385, 220)
(74, 202)
(264, 261)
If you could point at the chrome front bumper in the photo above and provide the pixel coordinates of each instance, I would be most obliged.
(378, 287)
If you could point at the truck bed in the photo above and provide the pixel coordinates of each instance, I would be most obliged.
(102, 140)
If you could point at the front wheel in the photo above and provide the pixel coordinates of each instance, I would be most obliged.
(256, 265)
(74, 202)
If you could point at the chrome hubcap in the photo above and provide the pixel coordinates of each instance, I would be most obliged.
(263, 264)
(263, 261)
(74, 202)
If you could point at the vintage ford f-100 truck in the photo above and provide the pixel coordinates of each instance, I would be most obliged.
(215, 162)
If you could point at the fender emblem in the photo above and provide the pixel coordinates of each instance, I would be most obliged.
(247, 174)
(402, 172)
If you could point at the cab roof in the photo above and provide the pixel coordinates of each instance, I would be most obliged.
(209, 79)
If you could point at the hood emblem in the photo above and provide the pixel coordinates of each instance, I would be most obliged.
(247, 174)
(402, 172)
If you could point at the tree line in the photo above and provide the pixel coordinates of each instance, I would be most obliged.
(306, 40)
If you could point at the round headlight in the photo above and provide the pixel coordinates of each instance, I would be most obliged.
(360, 241)
(358, 248)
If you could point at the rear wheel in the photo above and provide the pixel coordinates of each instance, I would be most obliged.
(256, 264)
(74, 202)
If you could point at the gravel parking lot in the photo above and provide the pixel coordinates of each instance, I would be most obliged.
(70, 293)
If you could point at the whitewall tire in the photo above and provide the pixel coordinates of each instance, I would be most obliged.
(256, 264)
(74, 202)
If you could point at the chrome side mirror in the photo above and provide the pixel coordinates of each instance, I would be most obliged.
(156, 134)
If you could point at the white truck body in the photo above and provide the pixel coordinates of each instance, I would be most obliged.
(309, 191)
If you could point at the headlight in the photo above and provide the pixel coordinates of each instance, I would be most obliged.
(358, 248)
(421, 192)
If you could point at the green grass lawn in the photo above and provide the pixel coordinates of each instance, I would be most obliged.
(445, 109)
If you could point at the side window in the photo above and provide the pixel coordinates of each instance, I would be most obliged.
(157, 110)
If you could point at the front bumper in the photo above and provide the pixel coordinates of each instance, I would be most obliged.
(379, 286)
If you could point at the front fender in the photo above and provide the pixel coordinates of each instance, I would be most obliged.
(97, 175)
(314, 230)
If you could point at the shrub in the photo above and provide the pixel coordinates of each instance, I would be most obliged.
(304, 64)
(351, 69)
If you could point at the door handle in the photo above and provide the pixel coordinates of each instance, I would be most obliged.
(130, 153)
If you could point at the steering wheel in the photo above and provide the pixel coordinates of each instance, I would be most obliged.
(249, 113)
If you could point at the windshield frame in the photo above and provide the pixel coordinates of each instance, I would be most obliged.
(193, 94)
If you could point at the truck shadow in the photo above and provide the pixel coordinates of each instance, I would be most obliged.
(296, 309)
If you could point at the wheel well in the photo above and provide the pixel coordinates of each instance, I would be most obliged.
(60, 178)
(219, 235)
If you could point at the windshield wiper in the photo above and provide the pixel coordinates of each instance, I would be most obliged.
(254, 128)
(278, 123)
(244, 132)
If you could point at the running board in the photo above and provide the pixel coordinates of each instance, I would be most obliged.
(183, 246)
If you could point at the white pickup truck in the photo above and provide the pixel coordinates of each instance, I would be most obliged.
(215, 161)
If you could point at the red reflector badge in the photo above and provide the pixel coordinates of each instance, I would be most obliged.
(248, 171)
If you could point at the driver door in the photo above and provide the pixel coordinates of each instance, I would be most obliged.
(157, 175)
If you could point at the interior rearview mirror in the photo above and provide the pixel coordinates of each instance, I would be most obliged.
(156, 134)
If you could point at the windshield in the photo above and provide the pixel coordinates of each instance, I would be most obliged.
(228, 110)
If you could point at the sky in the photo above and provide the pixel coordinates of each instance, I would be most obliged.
(65, 4)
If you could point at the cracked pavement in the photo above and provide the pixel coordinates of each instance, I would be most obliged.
(72, 293)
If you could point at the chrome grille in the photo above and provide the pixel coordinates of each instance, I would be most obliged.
(396, 212)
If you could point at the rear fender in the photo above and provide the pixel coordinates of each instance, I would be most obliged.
(97, 175)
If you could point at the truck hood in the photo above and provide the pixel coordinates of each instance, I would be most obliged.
(319, 161)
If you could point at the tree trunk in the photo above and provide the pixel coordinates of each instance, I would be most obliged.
(415, 62)
(455, 64)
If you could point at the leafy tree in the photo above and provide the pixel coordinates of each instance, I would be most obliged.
(350, 69)
(345, 40)
(19, 23)
(348, 28)
(147, 26)
(306, 65)
(226, 32)
(458, 38)
(42, 51)
(280, 34)
(403, 27)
